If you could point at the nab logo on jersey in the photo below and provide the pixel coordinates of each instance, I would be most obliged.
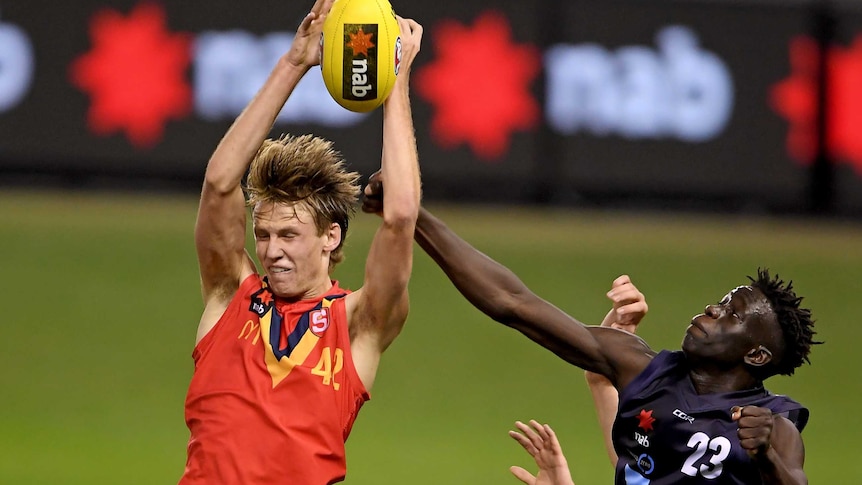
(645, 420)
(261, 301)
(319, 321)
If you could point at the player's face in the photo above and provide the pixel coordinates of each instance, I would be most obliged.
(293, 255)
(725, 332)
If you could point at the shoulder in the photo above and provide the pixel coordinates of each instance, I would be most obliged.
(251, 294)
(337, 291)
(786, 425)
(789, 409)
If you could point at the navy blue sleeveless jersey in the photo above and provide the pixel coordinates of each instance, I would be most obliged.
(666, 433)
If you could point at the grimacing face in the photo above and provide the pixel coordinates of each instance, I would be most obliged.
(294, 256)
(741, 328)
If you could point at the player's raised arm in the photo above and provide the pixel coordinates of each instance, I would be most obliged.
(379, 309)
(221, 220)
(629, 306)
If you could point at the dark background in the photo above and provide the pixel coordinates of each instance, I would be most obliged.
(45, 139)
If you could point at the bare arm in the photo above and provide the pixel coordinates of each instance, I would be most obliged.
(629, 307)
(221, 219)
(499, 293)
(379, 309)
(774, 443)
(606, 400)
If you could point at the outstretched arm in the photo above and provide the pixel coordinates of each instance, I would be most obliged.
(500, 294)
(773, 442)
(541, 443)
(379, 309)
(629, 307)
(221, 220)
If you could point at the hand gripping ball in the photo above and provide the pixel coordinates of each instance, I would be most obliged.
(360, 51)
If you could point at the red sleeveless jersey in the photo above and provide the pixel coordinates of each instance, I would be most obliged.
(274, 392)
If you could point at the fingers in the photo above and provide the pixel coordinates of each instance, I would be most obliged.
(626, 292)
(315, 17)
(374, 189)
(755, 441)
(535, 439)
(551, 439)
(321, 7)
(532, 442)
(627, 300)
(305, 25)
(372, 203)
(750, 417)
(754, 428)
(524, 442)
(409, 26)
(759, 434)
(305, 50)
(639, 306)
(621, 280)
(523, 475)
(411, 40)
(376, 176)
(755, 413)
(542, 430)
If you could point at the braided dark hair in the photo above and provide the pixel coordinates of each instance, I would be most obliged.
(795, 322)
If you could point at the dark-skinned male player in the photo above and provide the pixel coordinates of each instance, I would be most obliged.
(699, 415)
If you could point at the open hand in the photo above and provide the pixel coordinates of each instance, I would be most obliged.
(541, 443)
(305, 49)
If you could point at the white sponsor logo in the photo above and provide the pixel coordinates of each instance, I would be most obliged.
(230, 67)
(17, 63)
(359, 80)
(676, 90)
(682, 415)
(642, 440)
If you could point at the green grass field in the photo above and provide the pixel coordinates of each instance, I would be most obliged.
(100, 303)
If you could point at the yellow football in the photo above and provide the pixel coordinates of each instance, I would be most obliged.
(360, 51)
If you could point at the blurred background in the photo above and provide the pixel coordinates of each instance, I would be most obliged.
(685, 143)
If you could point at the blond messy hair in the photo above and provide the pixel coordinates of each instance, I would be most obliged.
(306, 169)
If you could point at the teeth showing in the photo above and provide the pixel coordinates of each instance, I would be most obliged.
(279, 270)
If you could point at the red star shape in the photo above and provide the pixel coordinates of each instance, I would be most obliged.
(265, 297)
(795, 98)
(360, 42)
(645, 420)
(134, 74)
(479, 85)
